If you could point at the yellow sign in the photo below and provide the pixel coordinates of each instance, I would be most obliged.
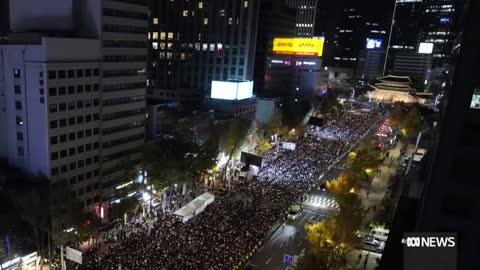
(298, 46)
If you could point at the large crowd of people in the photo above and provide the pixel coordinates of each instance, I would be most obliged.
(234, 224)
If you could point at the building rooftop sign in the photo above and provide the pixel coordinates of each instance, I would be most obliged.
(298, 46)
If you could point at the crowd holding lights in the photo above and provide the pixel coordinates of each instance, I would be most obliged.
(234, 224)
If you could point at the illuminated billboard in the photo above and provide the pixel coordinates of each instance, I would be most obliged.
(298, 46)
(232, 90)
(426, 48)
(374, 43)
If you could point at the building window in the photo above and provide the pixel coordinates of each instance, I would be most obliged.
(20, 136)
(20, 151)
(71, 90)
(79, 73)
(155, 45)
(61, 74)
(88, 73)
(185, 13)
(16, 73)
(18, 105)
(155, 35)
(53, 108)
(18, 89)
(162, 35)
(52, 74)
(71, 151)
(71, 73)
(41, 91)
(63, 138)
(200, 5)
(42, 100)
(54, 139)
(205, 21)
(79, 89)
(63, 153)
(53, 124)
(54, 171)
(230, 20)
(155, 20)
(62, 91)
(222, 12)
(245, 4)
(52, 91)
(63, 122)
(170, 35)
(475, 104)
(54, 156)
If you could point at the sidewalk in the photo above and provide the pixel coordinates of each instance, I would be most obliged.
(373, 197)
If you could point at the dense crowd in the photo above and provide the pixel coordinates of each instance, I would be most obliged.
(233, 225)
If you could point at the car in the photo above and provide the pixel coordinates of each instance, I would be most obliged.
(371, 244)
(294, 212)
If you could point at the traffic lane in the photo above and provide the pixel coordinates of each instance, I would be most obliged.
(289, 238)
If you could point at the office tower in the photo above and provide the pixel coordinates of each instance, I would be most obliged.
(327, 18)
(450, 201)
(444, 198)
(74, 92)
(306, 11)
(437, 28)
(414, 65)
(276, 19)
(351, 37)
(370, 64)
(194, 42)
(404, 37)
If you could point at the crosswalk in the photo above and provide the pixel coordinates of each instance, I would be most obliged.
(321, 202)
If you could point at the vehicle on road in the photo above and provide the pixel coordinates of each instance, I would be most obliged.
(373, 245)
(379, 234)
(294, 211)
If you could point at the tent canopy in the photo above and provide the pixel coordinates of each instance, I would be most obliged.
(195, 207)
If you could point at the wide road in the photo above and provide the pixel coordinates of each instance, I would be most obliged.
(289, 238)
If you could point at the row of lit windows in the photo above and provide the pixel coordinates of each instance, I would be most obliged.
(163, 35)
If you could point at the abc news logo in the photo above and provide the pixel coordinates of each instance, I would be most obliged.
(430, 242)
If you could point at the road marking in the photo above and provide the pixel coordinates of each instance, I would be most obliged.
(282, 245)
(299, 244)
(303, 218)
(268, 261)
(261, 248)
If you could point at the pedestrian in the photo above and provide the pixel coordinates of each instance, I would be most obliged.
(359, 257)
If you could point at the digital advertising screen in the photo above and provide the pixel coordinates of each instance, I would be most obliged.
(298, 46)
(425, 48)
(374, 43)
(231, 90)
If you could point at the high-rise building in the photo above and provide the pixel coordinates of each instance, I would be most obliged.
(450, 201)
(192, 43)
(370, 64)
(437, 28)
(276, 19)
(74, 92)
(443, 198)
(306, 12)
(351, 37)
(414, 65)
(405, 27)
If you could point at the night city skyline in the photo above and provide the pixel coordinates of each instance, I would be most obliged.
(239, 134)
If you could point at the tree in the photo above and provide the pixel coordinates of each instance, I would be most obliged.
(311, 262)
(294, 112)
(201, 158)
(397, 115)
(334, 238)
(237, 132)
(412, 122)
